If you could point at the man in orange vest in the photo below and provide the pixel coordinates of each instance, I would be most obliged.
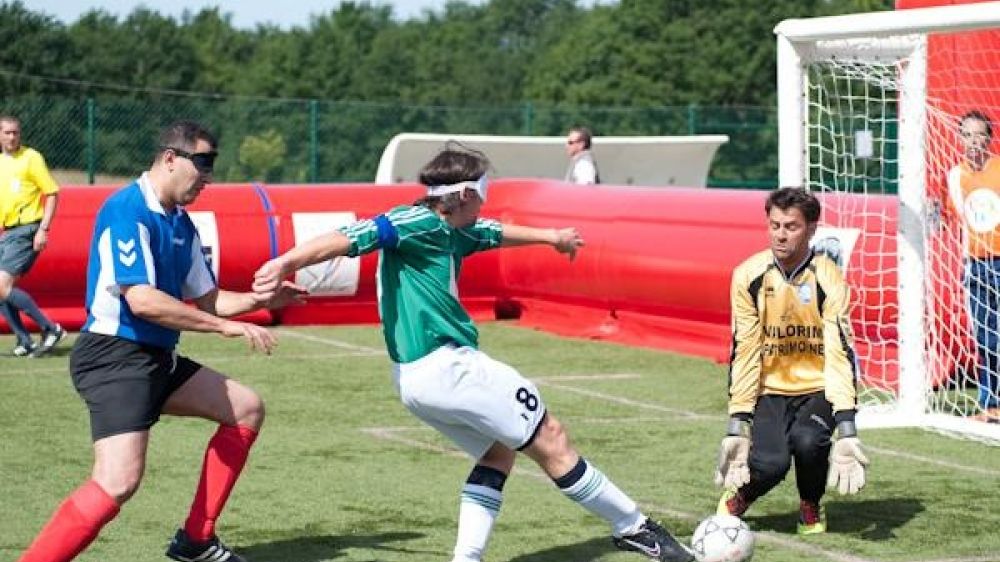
(974, 191)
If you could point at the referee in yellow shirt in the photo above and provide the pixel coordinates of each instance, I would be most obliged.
(28, 196)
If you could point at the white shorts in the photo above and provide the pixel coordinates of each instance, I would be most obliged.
(470, 398)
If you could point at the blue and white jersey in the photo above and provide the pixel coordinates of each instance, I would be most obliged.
(136, 242)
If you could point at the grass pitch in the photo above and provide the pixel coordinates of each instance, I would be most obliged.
(343, 473)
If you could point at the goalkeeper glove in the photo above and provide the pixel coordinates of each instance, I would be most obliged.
(847, 461)
(733, 470)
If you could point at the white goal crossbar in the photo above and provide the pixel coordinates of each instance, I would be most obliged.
(883, 37)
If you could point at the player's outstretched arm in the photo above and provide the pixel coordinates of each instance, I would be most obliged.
(564, 240)
(267, 281)
(153, 305)
(229, 303)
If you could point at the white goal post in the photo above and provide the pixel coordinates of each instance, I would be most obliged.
(856, 121)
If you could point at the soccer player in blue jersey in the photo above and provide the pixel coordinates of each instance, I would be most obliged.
(486, 407)
(145, 260)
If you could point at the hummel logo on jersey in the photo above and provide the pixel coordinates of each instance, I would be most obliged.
(651, 551)
(126, 252)
(178, 241)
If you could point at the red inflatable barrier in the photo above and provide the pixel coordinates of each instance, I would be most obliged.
(655, 272)
(658, 264)
(301, 212)
(231, 221)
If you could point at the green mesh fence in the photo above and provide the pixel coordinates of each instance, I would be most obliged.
(289, 141)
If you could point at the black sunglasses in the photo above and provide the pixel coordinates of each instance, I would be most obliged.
(204, 162)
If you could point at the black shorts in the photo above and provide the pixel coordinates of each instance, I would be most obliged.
(125, 384)
(776, 418)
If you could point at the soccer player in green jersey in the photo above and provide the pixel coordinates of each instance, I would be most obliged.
(486, 407)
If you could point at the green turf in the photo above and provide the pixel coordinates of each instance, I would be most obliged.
(342, 472)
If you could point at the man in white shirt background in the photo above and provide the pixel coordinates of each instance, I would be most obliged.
(582, 168)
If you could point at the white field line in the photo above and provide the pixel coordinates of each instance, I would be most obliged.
(880, 450)
(809, 549)
(18, 371)
(991, 558)
(553, 381)
(606, 377)
(209, 360)
(329, 341)
(937, 462)
(614, 421)
(622, 400)
(693, 415)
(394, 434)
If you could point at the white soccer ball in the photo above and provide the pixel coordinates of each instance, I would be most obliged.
(722, 538)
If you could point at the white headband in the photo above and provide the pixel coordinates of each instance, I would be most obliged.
(479, 186)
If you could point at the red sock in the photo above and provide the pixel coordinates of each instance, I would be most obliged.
(224, 459)
(73, 526)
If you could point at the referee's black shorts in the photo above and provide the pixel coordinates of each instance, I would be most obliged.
(125, 384)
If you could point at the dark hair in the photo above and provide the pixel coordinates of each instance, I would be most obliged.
(787, 197)
(454, 164)
(585, 135)
(979, 116)
(184, 135)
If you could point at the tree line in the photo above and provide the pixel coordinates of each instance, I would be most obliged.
(503, 67)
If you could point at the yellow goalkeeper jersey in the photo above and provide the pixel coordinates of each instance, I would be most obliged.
(791, 334)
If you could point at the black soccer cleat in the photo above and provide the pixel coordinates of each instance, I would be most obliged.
(183, 549)
(653, 541)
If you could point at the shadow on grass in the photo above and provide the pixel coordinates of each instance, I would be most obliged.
(59, 351)
(873, 520)
(331, 547)
(578, 552)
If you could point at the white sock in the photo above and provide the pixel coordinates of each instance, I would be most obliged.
(600, 496)
(479, 508)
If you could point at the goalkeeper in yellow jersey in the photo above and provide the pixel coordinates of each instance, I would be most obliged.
(793, 371)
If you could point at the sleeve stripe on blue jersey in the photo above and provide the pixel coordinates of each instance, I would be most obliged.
(388, 237)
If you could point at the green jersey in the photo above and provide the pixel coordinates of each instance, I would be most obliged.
(418, 271)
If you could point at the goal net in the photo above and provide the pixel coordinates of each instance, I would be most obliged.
(888, 115)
